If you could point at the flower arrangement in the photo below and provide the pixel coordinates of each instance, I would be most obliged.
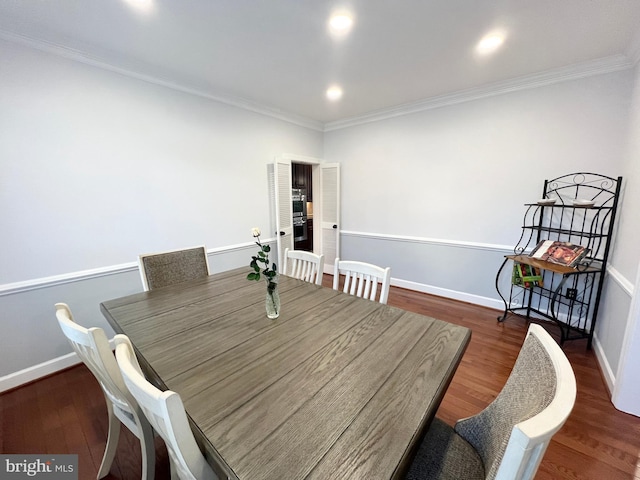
(270, 275)
(261, 258)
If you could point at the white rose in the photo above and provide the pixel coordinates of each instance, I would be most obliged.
(255, 232)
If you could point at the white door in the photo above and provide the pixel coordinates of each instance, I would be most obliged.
(330, 213)
(284, 208)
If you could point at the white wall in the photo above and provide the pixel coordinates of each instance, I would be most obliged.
(626, 391)
(463, 172)
(627, 251)
(454, 179)
(97, 167)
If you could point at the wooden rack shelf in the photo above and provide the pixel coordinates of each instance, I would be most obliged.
(554, 267)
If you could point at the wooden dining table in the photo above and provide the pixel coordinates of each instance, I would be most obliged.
(336, 387)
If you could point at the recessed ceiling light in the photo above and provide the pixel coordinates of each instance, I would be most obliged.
(340, 23)
(490, 43)
(334, 93)
(140, 4)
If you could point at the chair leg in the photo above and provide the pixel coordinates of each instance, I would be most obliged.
(112, 441)
(148, 451)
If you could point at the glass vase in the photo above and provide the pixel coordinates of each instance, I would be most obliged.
(272, 300)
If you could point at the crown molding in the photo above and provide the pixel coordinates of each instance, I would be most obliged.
(600, 66)
(136, 73)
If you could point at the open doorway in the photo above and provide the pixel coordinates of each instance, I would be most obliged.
(323, 205)
(302, 199)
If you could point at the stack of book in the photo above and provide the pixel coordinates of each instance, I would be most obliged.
(561, 253)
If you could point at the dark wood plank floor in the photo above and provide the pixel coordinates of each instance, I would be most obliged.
(65, 413)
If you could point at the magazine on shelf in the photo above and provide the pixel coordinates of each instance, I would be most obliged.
(526, 276)
(561, 253)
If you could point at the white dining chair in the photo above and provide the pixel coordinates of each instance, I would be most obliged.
(166, 413)
(362, 279)
(92, 346)
(506, 440)
(162, 269)
(303, 265)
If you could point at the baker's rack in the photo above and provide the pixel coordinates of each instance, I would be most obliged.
(583, 214)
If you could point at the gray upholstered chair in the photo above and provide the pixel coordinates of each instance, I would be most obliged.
(176, 266)
(303, 265)
(92, 346)
(363, 279)
(507, 440)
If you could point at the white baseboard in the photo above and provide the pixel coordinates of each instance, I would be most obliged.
(605, 367)
(607, 372)
(453, 294)
(30, 374)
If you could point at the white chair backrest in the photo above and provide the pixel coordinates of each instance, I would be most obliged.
(171, 267)
(513, 432)
(92, 346)
(530, 438)
(166, 413)
(362, 279)
(303, 265)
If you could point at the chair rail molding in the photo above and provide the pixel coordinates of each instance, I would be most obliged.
(46, 282)
(430, 241)
(625, 285)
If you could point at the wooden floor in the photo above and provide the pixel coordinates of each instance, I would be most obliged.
(65, 413)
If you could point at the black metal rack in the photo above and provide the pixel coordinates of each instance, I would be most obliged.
(566, 296)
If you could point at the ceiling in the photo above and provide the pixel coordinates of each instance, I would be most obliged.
(278, 55)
